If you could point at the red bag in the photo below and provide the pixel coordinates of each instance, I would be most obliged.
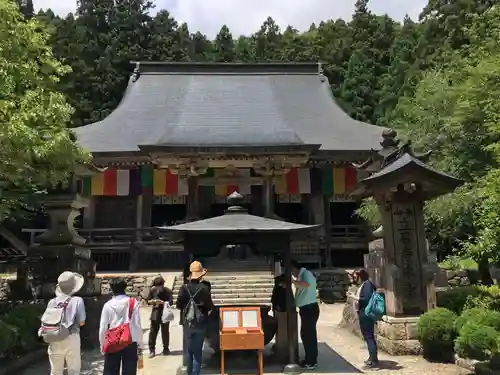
(120, 337)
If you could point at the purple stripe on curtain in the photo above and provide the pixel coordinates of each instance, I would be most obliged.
(135, 182)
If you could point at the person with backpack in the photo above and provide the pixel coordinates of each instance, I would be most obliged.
(366, 323)
(195, 303)
(60, 325)
(120, 332)
(160, 297)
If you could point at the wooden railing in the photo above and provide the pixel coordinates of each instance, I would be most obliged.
(128, 248)
(147, 248)
(347, 233)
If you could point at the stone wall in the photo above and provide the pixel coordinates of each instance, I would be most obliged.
(137, 286)
(4, 289)
(461, 278)
(332, 285)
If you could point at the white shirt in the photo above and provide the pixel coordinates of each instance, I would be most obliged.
(114, 313)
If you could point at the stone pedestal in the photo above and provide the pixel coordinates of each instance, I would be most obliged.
(396, 336)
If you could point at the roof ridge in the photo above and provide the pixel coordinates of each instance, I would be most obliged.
(158, 67)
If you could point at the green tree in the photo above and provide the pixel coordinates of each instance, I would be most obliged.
(37, 149)
(267, 41)
(26, 8)
(224, 46)
(163, 37)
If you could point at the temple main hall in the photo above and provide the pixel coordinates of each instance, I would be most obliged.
(186, 135)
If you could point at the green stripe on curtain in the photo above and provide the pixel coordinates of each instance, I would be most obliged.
(327, 180)
(86, 186)
(147, 176)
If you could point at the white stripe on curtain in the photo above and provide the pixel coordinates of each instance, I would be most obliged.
(304, 181)
(122, 182)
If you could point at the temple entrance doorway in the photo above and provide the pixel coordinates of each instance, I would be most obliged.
(166, 213)
(347, 234)
(291, 209)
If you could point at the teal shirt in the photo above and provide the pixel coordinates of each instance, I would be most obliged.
(305, 296)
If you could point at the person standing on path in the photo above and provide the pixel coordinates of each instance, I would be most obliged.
(68, 350)
(366, 324)
(305, 299)
(195, 303)
(159, 295)
(120, 310)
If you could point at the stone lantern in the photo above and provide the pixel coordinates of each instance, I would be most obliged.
(400, 183)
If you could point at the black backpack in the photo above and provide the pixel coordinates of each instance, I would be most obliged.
(192, 313)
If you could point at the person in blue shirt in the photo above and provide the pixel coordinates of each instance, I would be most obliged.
(305, 299)
(366, 324)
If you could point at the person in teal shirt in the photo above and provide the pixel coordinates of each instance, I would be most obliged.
(305, 300)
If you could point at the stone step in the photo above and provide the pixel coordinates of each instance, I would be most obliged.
(253, 277)
(242, 301)
(233, 288)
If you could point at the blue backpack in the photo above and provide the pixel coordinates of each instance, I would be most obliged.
(376, 306)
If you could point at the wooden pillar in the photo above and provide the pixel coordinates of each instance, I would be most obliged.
(89, 214)
(147, 208)
(291, 318)
(328, 230)
(192, 209)
(268, 192)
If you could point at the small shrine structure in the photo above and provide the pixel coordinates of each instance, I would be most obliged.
(400, 183)
(265, 236)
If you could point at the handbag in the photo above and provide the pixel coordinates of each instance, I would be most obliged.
(120, 337)
(167, 314)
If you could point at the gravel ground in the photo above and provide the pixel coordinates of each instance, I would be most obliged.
(340, 353)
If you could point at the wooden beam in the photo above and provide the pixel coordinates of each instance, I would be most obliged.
(17, 243)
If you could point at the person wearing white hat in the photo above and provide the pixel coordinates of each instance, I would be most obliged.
(68, 350)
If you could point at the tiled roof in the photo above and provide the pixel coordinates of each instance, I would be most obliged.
(228, 105)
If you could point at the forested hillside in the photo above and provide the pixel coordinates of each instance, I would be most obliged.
(435, 80)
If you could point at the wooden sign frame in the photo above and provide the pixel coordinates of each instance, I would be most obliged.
(239, 311)
(239, 337)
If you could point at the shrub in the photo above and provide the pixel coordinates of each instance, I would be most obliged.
(18, 329)
(455, 299)
(436, 332)
(476, 341)
(480, 316)
(487, 297)
(9, 339)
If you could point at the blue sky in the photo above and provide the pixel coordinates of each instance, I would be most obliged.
(245, 16)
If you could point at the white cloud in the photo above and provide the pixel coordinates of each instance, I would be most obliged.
(245, 16)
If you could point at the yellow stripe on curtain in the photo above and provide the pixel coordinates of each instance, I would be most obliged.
(220, 190)
(339, 181)
(160, 182)
(280, 184)
(97, 185)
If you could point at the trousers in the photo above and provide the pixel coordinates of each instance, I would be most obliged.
(367, 327)
(156, 326)
(66, 352)
(193, 349)
(126, 358)
(309, 315)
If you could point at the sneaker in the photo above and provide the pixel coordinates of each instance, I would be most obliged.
(166, 352)
(151, 354)
(370, 365)
(310, 366)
